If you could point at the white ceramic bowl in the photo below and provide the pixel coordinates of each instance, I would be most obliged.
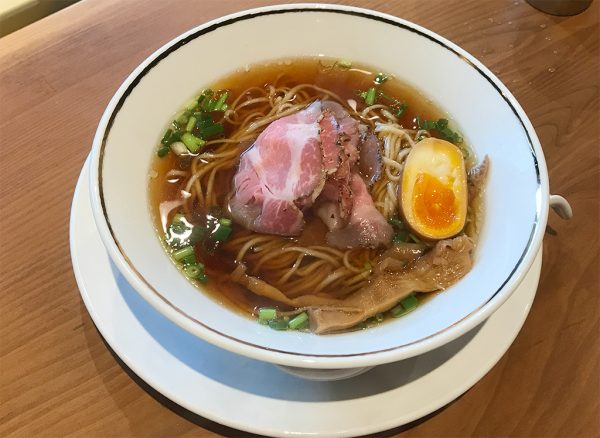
(488, 115)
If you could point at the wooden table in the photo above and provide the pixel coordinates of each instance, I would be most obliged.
(57, 75)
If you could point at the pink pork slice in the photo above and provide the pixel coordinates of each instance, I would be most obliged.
(366, 227)
(282, 171)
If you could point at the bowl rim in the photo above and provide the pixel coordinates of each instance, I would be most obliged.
(291, 358)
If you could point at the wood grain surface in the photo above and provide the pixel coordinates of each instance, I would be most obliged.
(56, 76)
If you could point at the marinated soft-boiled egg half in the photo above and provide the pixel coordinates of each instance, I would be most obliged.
(434, 189)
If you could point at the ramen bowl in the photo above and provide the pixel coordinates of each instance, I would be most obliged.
(485, 111)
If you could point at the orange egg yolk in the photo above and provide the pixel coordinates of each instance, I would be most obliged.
(433, 203)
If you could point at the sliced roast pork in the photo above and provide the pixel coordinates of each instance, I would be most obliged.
(370, 163)
(339, 133)
(282, 171)
(366, 226)
(308, 155)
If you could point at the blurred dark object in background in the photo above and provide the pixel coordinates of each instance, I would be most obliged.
(561, 7)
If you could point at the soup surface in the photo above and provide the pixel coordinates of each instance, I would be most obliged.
(316, 193)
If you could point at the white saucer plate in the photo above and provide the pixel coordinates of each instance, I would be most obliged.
(258, 397)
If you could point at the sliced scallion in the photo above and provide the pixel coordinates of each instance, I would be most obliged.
(189, 260)
(371, 96)
(163, 151)
(380, 78)
(379, 317)
(266, 314)
(401, 110)
(190, 124)
(405, 306)
(411, 302)
(192, 271)
(192, 142)
(222, 233)
(278, 324)
(298, 321)
(182, 253)
(179, 148)
(225, 222)
(176, 136)
(183, 118)
(221, 101)
(213, 130)
(398, 311)
(441, 125)
(167, 136)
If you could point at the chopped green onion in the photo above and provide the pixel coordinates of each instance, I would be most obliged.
(441, 125)
(405, 306)
(410, 303)
(298, 321)
(222, 233)
(176, 136)
(211, 131)
(219, 104)
(370, 96)
(192, 271)
(398, 311)
(179, 148)
(381, 78)
(401, 110)
(182, 253)
(209, 104)
(190, 124)
(163, 151)
(224, 107)
(379, 317)
(429, 124)
(192, 142)
(206, 127)
(189, 260)
(202, 278)
(183, 118)
(395, 104)
(266, 314)
(278, 324)
(225, 221)
(167, 136)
